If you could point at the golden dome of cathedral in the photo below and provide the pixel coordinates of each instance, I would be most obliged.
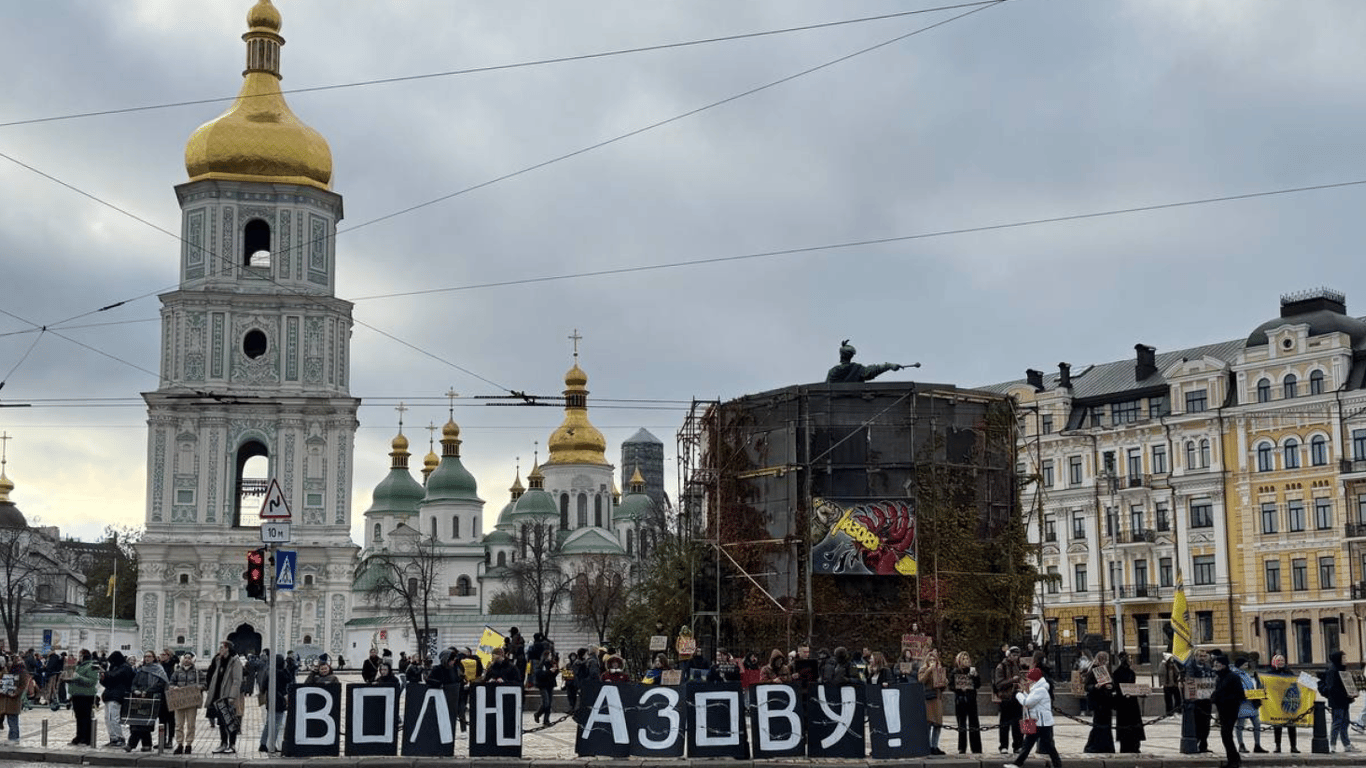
(577, 441)
(258, 138)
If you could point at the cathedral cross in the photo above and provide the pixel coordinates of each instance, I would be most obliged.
(451, 394)
(576, 338)
(401, 410)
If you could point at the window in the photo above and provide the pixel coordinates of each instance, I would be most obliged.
(1204, 569)
(308, 580)
(1327, 577)
(313, 500)
(564, 511)
(184, 578)
(1318, 451)
(1159, 459)
(433, 527)
(1323, 513)
(1269, 517)
(1050, 529)
(1047, 473)
(1079, 577)
(1264, 391)
(1191, 456)
(1332, 641)
(1304, 641)
(256, 243)
(1053, 578)
(1299, 574)
(184, 496)
(1204, 626)
(502, 559)
(1140, 573)
(1116, 576)
(1111, 521)
(1163, 522)
(1078, 526)
(1074, 467)
(463, 587)
(1196, 401)
(1289, 386)
(1136, 518)
(583, 510)
(377, 536)
(1202, 514)
(1157, 406)
(1134, 463)
(1097, 416)
(1359, 444)
(455, 527)
(1361, 508)
(1046, 424)
(1164, 571)
(1273, 575)
(1079, 627)
(1265, 463)
(1204, 453)
(1295, 511)
(1316, 383)
(1292, 453)
(1126, 412)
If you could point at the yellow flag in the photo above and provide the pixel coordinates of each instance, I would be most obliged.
(1287, 702)
(487, 642)
(109, 592)
(1182, 644)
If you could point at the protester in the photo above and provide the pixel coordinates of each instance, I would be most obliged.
(547, 671)
(370, 667)
(1335, 692)
(502, 670)
(384, 675)
(1036, 703)
(1250, 708)
(82, 688)
(322, 675)
(1005, 681)
(966, 681)
(1228, 697)
(1128, 709)
(186, 675)
(225, 689)
(777, 669)
(1198, 668)
(616, 670)
(935, 680)
(1172, 677)
(149, 682)
(1278, 667)
(11, 700)
(725, 670)
(1100, 692)
(835, 669)
(879, 673)
(118, 680)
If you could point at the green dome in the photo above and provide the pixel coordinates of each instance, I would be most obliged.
(499, 537)
(535, 504)
(450, 481)
(397, 494)
(505, 516)
(592, 542)
(634, 506)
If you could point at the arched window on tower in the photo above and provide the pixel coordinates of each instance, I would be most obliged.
(583, 510)
(597, 510)
(378, 536)
(630, 542)
(455, 527)
(463, 587)
(433, 526)
(564, 511)
(253, 480)
(256, 244)
(502, 559)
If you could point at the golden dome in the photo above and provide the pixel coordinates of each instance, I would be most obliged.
(400, 444)
(6, 485)
(575, 377)
(450, 431)
(431, 462)
(258, 138)
(577, 441)
(636, 479)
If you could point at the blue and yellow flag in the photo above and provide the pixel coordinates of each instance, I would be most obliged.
(1287, 702)
(1182, 640)
(487, 643)
(109, 591)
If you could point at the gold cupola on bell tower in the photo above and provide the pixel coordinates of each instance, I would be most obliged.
(258, 138)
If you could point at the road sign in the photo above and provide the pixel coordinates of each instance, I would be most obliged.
(275, 533)
(275, 507)
(285, 561)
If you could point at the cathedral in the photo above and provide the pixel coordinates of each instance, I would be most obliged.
(254, 392)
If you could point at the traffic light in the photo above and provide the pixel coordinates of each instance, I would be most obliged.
(256, 574)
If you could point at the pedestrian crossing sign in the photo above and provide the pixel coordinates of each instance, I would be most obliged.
(285, 562)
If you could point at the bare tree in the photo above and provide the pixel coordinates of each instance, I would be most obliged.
(597, 592)
(20, 567)
(405, 579)
(537, 575)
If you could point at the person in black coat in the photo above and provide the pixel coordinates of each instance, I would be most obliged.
(965, 681)
(547, 672)
(1100, 692)
(1128, 709)
(1227, 698)
(1338, 701)
(118, 682)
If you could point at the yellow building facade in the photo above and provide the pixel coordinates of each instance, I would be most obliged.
(1240, 465)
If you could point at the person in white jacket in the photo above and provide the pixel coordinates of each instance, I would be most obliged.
(1037, 699)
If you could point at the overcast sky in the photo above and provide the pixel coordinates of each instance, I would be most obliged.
(1029, 109)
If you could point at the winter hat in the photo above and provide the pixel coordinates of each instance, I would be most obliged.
(1035, 675)
(115, 658)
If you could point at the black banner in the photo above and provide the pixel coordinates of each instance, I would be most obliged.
(372, 719)
(716, 722)
(603, 730)
(834, 721)
(429, 720)
(896, 721)
(495, 720)
(776, 718)
(312, 725)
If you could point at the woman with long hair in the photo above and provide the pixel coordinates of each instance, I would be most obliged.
(966, 681)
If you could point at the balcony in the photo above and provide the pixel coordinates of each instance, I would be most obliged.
(1356, 530)
(1135, 481)
(1353, 466)
(1143, 536)
(1359, 590)
(1051, 537)
(1140, 592)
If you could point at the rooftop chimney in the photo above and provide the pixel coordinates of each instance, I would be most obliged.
(1065, 375)
(1035, 379)
(1147, 361)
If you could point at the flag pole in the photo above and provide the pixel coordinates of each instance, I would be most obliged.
(114, 600)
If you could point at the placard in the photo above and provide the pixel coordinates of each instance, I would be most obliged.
(896, 721)
(939, 676)
(429, 720)
(185, 697)
(659, 643)
(671, 677)
(1101, 674)
(313, 721)
(69, 668)
(716, 723)
(1202, 688)
(1077, 683)
(918, 645)
(1309, 681)
(657, 722)
(1255, 694)
(372, 720)
(495, 720)
(775, 721)
(963, 682)
(602, 730)
(1139, 689)
(1349, 684)
(834, 722)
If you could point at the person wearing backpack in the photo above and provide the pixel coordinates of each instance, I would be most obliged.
(1335, 692)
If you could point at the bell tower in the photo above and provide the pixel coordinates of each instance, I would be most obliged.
(254, 383)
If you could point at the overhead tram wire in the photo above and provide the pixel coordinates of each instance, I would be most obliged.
(500, 67)
(976, 8)
(872, 241)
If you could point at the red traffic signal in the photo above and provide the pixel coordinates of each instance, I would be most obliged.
(256, 574)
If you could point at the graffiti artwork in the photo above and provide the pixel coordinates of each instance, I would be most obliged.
(864, 538)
